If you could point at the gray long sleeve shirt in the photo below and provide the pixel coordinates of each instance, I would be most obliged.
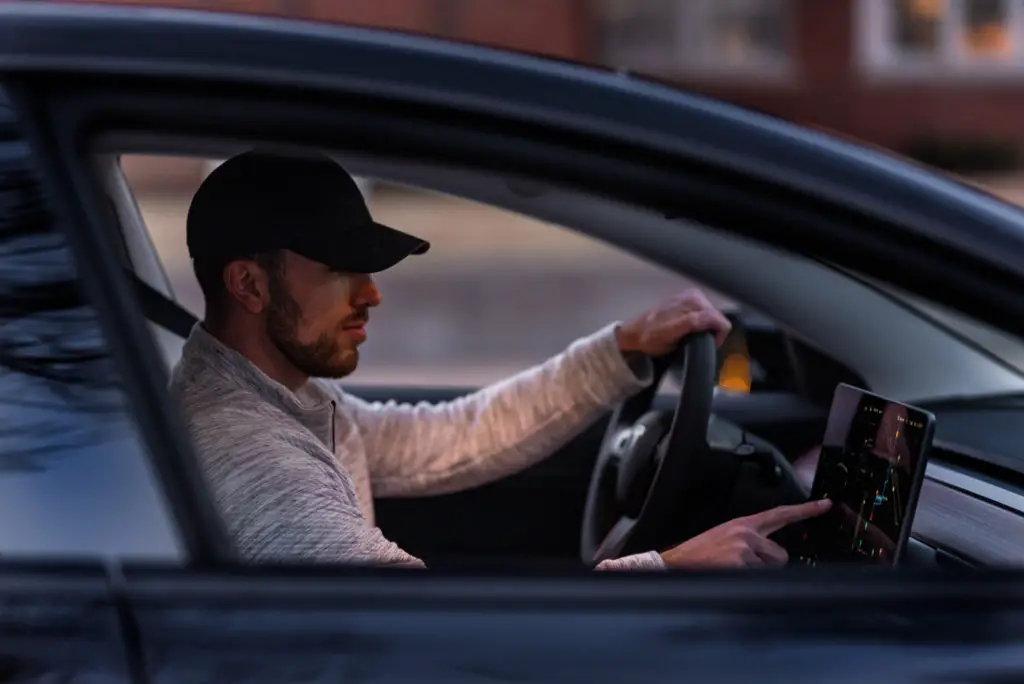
(294, 473)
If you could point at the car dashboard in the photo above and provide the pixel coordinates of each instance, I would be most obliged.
(970, 512)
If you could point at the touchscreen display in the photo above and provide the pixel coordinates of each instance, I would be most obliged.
(872, 459)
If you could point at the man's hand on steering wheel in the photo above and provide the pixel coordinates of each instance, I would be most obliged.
(743, 542)
(657, 331)
(651, 469)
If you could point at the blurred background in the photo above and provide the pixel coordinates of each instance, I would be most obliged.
(941, 81)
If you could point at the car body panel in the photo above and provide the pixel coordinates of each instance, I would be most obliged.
(61, 623)
(303, 627)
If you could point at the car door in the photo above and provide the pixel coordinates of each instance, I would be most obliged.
(216, 619)
(292, 626)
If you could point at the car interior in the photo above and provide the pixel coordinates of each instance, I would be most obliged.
(806, 326)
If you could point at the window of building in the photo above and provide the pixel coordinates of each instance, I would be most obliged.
(715, 38)
(941, 37)
(917, 26)
(986, 31)
(746, 32)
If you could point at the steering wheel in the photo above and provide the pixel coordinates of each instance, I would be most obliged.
(648, 467)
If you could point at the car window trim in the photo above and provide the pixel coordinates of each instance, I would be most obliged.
(54, 133)
(243, 115)
(743, 207)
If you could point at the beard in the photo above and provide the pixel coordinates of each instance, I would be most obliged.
(322, 358)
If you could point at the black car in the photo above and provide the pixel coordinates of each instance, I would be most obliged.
(873, 272)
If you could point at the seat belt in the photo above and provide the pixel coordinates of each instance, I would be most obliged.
(163, 311)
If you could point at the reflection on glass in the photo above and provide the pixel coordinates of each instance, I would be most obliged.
(73, 478)
(918, 24)
(746, 31)
(986, 29)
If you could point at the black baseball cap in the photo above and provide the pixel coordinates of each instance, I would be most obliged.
(260, 202)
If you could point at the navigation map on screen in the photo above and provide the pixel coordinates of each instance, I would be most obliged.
(870, 458)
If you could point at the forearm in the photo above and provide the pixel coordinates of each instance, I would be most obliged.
(438, 448)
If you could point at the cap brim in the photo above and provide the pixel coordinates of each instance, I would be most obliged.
(370, 249)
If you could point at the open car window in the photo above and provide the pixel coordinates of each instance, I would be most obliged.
(497, 293)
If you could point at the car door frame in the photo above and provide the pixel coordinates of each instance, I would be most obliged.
(302, 106)
(101, 270)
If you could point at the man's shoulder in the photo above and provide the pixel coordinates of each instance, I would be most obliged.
(221, 414)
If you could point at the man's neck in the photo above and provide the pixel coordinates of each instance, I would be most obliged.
(260, 351)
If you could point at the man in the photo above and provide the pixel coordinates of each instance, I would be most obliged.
(283, 248)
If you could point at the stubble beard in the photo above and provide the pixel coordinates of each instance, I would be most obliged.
(322, 358)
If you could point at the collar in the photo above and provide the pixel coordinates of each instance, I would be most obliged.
(311, 404)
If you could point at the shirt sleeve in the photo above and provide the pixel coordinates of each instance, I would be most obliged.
(427, 449)
(650, 560)
(280, 502)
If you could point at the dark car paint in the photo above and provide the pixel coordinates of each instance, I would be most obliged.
(62, 624)
(114, 622)
(794, 628)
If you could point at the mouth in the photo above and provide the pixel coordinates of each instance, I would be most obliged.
(356, 330)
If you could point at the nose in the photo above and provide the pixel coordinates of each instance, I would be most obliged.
(365, 292)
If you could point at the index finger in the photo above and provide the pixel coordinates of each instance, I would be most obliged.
(773, 520)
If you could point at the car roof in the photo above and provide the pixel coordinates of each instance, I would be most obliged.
(146, 42)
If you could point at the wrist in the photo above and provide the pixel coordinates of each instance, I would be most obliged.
(626, 341)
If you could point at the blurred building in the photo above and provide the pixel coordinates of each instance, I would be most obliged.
(891, 72)
(886, 71)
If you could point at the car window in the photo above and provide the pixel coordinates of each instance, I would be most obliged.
(497, 292)
(74, 477)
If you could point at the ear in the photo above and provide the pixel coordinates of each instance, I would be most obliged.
(248, 284)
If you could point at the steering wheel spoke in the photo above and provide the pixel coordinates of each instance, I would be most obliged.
(611, 545)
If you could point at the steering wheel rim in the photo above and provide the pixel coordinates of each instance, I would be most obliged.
(646, 463)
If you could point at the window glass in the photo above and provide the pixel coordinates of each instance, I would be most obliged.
(986, 30)
(74, 478)
(918, 24)
(697, 36)
(497, 292)
(747, 31)
(963, 32)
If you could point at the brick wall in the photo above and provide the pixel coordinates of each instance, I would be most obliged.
(829, 92)
(554, 27)
(826, 92)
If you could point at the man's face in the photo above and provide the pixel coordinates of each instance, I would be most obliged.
(317, 317)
